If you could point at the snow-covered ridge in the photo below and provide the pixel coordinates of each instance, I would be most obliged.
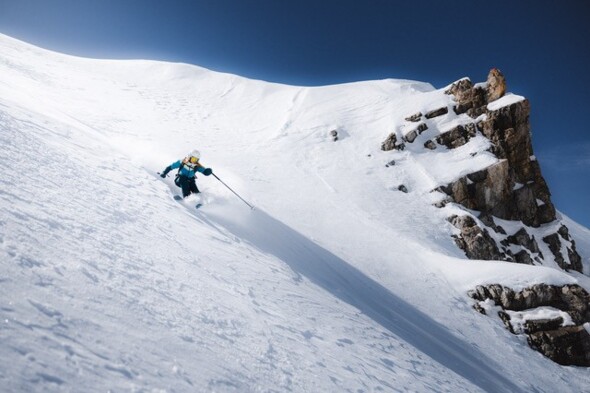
(336, 282)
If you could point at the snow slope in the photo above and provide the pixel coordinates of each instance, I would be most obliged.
(335, 282)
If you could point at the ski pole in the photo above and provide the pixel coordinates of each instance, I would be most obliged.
(251, 207)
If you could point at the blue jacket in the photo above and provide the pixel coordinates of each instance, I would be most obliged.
(186, 169)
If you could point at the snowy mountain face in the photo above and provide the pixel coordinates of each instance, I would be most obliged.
(347, 276)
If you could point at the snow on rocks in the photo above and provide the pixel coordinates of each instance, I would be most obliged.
(511, 189)
(552, 317)
(537, 319)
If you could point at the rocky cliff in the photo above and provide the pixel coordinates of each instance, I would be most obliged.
(513, 189)
(508, 215)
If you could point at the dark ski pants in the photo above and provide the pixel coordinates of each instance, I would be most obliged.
(188, 185)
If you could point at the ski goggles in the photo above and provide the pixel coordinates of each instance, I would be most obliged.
(193, 160)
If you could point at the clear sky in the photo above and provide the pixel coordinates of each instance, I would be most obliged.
(542, 47)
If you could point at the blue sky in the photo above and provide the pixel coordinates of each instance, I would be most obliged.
(541, 46)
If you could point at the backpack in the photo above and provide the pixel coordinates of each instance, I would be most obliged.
(182, 164)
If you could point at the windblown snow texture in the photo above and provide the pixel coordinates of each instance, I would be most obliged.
(336, 282)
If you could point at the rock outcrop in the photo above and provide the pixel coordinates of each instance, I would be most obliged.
(391, 143)
(415, 117)
(564, 344)
(496, 85)
(334, 135)
(437, 112)
(512, 189)
(470, 99)
(458, 136)
(508, 215)
(482, 238)
(568, 345)
(554, 241)
(475, 241)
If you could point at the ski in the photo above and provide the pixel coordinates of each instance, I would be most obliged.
(179, 199)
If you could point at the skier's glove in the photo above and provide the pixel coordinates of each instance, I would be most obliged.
(163, 174)
(207, 171)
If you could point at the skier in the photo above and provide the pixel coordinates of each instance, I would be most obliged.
(187, 168)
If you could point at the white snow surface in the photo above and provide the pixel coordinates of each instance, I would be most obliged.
(518, 319)
(505, 100)
(335, 282)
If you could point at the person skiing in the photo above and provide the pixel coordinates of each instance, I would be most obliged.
(187, 168)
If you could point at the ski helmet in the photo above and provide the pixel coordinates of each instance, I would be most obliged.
(195, 153)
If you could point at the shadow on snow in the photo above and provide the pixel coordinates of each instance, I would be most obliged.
(352, 286)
